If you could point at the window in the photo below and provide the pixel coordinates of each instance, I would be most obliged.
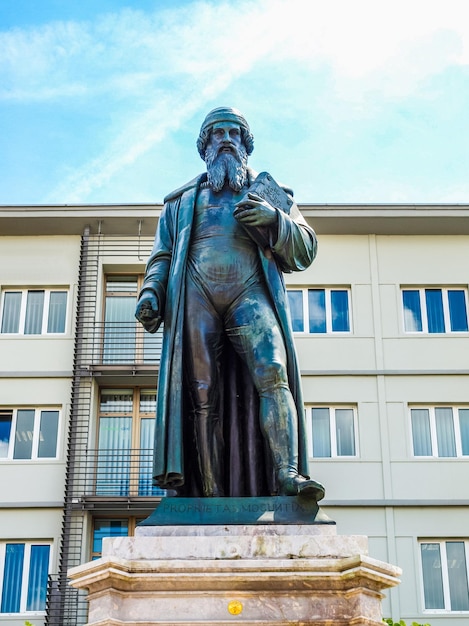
(444, 572)
(24, 568)
(125, 340)
(125, 443)
(320, 310)
(111, 528)
(332, 430)
(107, 528)
(33, 311)
(28, 433)
(435, 310)
(440, 431)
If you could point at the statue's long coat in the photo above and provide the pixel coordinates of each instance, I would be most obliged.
(248, 469)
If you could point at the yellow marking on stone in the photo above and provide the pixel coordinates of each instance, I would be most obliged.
(235, 607)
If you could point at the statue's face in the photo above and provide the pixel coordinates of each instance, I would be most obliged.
(226, 157)
(225, 138)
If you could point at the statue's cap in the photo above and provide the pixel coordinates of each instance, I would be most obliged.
(223, 114)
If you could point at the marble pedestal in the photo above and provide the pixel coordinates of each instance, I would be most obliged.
(235, 574)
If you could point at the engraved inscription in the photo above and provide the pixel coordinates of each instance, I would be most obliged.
(276, 507)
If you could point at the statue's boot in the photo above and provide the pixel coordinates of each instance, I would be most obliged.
(291, 483)
(281, 432)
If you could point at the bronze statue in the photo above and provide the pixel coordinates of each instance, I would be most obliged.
(230, 416)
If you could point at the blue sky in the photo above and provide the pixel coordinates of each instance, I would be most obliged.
(354, 101)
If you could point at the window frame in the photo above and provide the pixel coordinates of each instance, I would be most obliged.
(424, 313)
(141, 348)
(455, 408)
(444, 574)
(138, 466)
(332, 431)
(135, 412)
(36, 432)
(328, 309)
(28, 544)
(132, 522)
(45, 311)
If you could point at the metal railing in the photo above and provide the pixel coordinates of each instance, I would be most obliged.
(116, 474)
(65, 606)
(120, 343)
(100, 348)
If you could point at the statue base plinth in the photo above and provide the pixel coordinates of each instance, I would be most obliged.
(274, 573)
(213, 511)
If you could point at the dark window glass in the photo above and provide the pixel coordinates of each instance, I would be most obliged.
(295, 300)
(12, 578)
(412, 310)
(317, 310)
(37, 581)
(435, 316)
(340, 314)
(6, 418)
(457, 310)
(108, 528)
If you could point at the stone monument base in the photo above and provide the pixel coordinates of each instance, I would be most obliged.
(274, 573)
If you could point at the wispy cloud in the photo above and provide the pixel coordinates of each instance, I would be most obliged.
(126, 52)
(183, 69)
(355, 37)
(167, 65)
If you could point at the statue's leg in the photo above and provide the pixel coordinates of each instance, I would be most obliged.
(256, 336)
(202, 349)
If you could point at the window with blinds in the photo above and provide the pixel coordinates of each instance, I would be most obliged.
(125, 443)
(33, 311)
(24, 568)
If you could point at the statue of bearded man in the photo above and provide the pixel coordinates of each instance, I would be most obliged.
(230, 418)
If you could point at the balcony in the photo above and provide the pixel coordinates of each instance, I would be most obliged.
(117, 345)
(115, 477)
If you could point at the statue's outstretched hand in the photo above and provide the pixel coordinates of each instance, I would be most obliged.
(255, 211)
(147, 311)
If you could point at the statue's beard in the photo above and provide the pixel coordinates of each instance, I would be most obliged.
(231, 168)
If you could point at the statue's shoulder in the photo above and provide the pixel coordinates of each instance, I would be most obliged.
(192, 184)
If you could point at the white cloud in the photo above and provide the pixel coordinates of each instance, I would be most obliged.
(356, 38)
(199, 68)
(169, 64)
(128, 50)
(360, 36)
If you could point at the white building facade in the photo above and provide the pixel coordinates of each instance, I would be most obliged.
(381, 328)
